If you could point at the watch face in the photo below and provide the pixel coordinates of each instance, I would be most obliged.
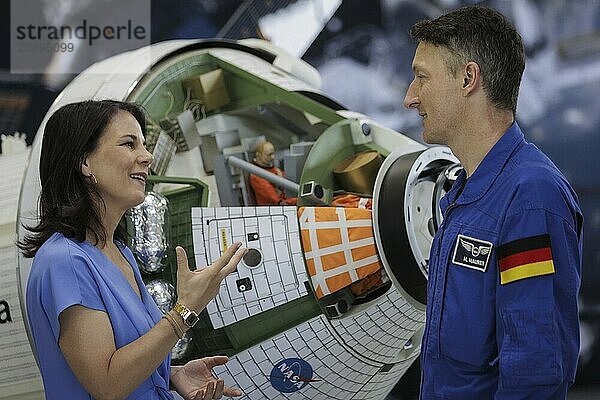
(191, 319)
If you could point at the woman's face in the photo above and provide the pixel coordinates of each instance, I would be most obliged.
(120, 164)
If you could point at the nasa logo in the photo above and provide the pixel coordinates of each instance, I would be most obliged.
(291, 374)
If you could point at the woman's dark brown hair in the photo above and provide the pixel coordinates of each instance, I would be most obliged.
(68, 199)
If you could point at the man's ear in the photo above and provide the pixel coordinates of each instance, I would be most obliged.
(471, 77)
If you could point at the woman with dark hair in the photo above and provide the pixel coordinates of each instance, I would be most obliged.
(97, 331)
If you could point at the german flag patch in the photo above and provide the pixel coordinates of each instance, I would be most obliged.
(525, 258)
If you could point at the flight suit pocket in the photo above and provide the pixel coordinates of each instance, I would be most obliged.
(467, 326)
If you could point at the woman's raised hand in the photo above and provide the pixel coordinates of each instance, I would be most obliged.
(195, 289)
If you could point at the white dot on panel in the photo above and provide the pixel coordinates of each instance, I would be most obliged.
(266, 304)
(302, 289)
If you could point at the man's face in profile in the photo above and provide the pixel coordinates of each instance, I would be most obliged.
(265, 155)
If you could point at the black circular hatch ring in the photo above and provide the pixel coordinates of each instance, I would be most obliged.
(402, 211)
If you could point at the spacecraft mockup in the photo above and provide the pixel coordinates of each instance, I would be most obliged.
(329, 303)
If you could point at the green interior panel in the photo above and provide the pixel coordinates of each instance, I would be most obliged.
(251, 331)
(163, 97)
(332, 147)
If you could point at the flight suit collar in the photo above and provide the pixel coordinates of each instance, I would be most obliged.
(465, 190)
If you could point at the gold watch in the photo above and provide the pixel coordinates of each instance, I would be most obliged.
(190, 317)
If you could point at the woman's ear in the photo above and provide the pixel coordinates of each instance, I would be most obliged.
(85, 169)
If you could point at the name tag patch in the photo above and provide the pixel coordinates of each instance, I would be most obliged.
(472, 253)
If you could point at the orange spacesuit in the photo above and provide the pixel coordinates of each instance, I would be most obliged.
(266, 193)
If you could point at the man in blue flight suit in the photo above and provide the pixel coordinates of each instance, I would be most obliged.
(505, 264)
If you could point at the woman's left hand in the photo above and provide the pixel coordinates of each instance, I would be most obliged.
(195, 380)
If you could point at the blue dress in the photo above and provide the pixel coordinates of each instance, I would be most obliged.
(65, 273)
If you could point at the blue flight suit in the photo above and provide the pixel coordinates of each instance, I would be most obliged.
(504, 276)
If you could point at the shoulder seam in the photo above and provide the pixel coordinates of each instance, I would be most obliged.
(549, 211)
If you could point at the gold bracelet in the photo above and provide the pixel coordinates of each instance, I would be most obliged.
(166, 316)
(173, 321)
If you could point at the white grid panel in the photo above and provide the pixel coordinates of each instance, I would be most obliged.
(380, 332)
(280, 276)
(383, 382)
(340, 374)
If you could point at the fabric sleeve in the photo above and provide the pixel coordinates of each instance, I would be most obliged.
(539, 267)
(68, 280)
(265, 192)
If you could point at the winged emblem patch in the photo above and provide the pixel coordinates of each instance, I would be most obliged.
(475, 250)
(472, 252)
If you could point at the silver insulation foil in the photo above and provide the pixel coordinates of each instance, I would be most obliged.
(163, 293)
(181, 347)
(149, 242)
